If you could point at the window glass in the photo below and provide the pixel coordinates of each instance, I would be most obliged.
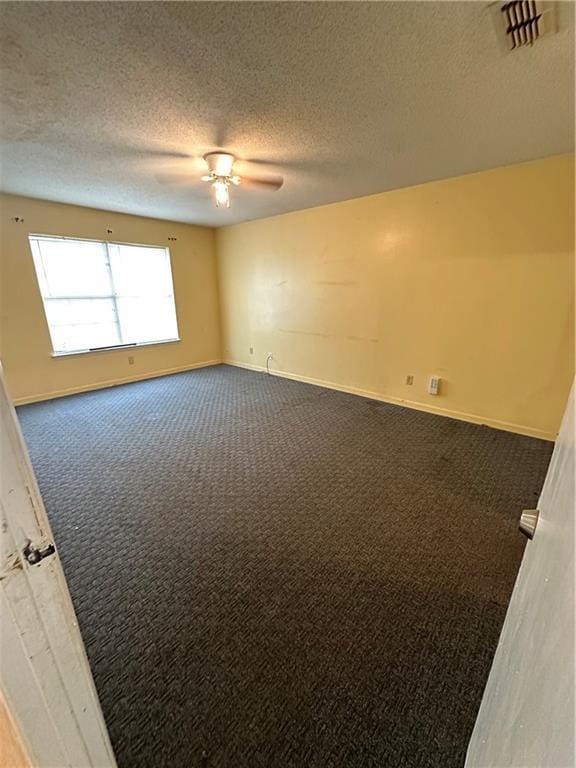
(100, 294)
(149, 316)
(140, 271)
(73, 268)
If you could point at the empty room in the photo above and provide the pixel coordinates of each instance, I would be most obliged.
(287, 345)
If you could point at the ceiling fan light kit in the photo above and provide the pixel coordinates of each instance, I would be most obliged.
(221, 193)
(220, 176)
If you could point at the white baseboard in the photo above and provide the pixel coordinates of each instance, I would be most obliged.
(110, 383)
(460, 415)
(506, 426)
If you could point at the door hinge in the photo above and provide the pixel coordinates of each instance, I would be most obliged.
(33, 554)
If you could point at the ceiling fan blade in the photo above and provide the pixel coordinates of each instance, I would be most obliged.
(175, 178)
(271, 183)
(139, 152)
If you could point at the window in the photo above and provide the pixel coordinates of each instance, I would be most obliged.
(98, 295)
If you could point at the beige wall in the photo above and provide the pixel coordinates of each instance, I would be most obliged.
(32, 373)
(470, 279)
(12, 749)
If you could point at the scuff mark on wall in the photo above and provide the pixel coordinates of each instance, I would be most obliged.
(363, 338)
(304, 333)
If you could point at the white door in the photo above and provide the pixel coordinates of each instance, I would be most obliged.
(44, 672)
(526, 718)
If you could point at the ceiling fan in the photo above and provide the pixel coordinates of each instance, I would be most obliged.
(221, 176)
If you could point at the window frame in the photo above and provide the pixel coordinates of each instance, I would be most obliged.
(113, 297)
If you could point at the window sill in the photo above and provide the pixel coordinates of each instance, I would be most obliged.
(118, 348)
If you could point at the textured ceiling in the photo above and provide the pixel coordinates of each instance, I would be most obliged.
(342, 99)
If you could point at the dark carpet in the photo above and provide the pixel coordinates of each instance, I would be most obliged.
(270, 574)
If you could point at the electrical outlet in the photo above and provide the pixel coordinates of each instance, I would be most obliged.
(130, 360)
(434, 385)
(251, 350)
(409, 380)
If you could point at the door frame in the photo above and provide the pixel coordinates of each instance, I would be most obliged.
(44, 671)
(527, 712)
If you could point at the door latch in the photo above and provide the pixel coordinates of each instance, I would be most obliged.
(33, 555)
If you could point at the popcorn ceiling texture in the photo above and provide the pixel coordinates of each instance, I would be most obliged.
(342, 99)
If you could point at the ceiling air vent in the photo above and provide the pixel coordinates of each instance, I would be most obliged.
(522, 22)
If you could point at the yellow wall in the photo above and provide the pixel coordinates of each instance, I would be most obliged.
(470, 279)
(12, 749)
(31, 371)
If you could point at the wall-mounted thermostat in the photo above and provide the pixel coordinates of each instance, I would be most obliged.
(434, 385)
